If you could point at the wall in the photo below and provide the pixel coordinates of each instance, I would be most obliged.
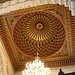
(18, 73)
(73, 7)
(20, 4)
(7, 68)
(55, 71)
(1, 71)
(65, 69)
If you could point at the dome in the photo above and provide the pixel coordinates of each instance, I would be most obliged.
(40, 32)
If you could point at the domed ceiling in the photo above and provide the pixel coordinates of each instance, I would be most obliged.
(46, 29)
(40, 32)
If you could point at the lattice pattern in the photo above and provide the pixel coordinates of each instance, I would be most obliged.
(31, 40)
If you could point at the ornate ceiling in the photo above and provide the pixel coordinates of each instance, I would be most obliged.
(45, 29)
(39, 32)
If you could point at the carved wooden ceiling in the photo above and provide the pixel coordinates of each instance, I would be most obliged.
(46, 29)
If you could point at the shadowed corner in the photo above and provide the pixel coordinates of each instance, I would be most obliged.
(3, 1)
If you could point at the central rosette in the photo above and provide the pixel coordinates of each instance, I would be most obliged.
(39, 26)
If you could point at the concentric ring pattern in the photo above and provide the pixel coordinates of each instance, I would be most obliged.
(39, 32)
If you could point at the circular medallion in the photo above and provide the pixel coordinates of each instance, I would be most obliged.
(39, 25)
(40, 32)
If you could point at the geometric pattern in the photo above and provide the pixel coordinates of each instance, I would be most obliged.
(46, 29)
(39, 32)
